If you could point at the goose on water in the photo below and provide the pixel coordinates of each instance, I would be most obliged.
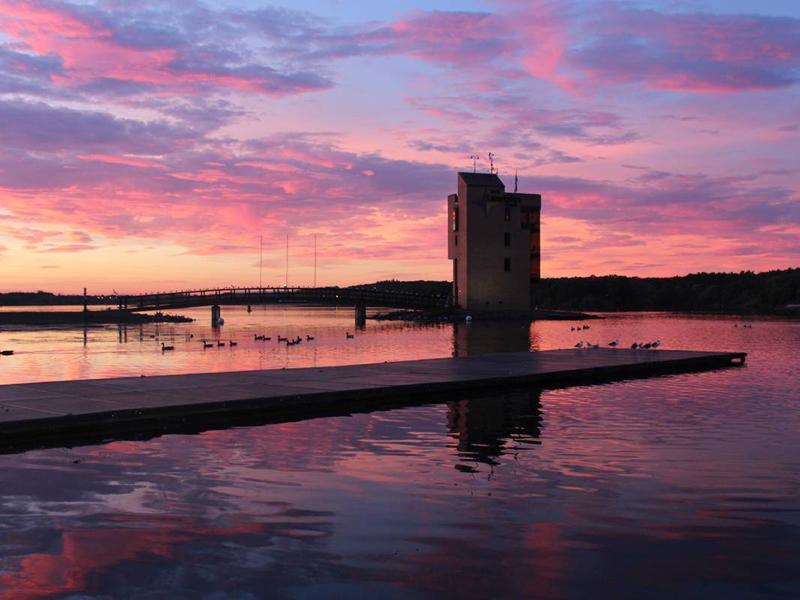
(349, 335)
(165, 348)
(614, 344)
(6, 352)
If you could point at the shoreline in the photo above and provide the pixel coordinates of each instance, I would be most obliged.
(457, 316)
(99, 317)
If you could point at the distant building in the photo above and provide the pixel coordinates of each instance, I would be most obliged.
(494, 243)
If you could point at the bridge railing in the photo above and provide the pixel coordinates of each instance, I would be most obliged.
(247, 295)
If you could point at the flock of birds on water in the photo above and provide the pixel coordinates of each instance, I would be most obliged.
(256, 338)
(614, 343)
(637, 345)
(310, 338)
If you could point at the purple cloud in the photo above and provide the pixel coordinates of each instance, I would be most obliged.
(37, 126)
(693, 52)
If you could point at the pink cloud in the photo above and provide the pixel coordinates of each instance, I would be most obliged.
(129, 161)
(93, 49)
(68, 248)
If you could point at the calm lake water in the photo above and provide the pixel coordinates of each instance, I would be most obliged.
(678, 486)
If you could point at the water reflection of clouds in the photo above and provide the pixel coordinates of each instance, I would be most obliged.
(679, 485)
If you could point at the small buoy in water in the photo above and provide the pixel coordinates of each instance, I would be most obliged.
(468, 318)
(220, 321)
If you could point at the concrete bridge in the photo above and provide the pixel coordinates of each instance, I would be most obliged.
(358, 296)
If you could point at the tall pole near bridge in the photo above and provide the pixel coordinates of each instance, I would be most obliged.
(286, 282)
(260, 260)
(315, 260)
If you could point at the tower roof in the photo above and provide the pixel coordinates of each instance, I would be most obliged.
(482, 179)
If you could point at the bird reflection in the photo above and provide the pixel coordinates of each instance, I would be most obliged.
(488, 427)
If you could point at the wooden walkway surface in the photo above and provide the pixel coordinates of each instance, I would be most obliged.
(63, 408)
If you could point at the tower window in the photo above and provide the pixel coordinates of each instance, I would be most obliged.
(507, 265)
(527, 217)
(455, 218)
(506, 239)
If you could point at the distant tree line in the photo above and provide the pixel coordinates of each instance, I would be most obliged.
(745, 292)
(48, 299)
(430, 288)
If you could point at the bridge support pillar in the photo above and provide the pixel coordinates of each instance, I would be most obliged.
(361, 314)
(216, 315)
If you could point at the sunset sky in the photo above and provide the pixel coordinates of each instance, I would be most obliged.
(147, 145)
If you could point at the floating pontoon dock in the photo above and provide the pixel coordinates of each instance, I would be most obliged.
(102, 408)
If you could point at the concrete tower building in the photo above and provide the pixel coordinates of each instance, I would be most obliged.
(494, 243)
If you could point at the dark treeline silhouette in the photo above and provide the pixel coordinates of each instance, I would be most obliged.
(745, 292)
(47, 299)
(428, 288)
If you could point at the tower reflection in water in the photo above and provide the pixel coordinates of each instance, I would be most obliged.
(487, 427)
(486, 337)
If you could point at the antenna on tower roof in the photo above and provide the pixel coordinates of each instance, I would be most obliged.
(516, 181)
(475, 158)
(491, 163)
